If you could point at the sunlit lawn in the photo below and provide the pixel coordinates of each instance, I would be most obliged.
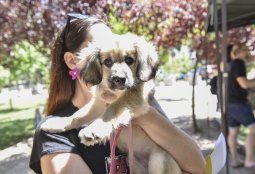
(18, 123)
(243, 134)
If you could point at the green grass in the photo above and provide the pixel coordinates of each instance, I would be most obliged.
(18, 123)
(242, 135)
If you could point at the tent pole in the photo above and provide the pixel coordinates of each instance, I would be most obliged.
(218, 58)
(225, 73)
(220, 84)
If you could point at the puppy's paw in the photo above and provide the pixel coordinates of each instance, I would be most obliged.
(56, 124)
(98, 131)
(88, 138)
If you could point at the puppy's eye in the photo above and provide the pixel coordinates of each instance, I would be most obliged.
(129, 60)
(108, 62)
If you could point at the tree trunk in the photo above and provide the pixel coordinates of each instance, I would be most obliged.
(195, 127)
(10, 102)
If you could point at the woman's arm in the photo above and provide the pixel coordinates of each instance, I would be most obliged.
(181, 146)
(63, 163)
(245, 83)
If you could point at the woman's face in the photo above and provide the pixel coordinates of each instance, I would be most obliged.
(241, 53)
(99, 34)
(245, 55)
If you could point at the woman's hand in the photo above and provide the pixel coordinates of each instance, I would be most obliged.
(181, 146)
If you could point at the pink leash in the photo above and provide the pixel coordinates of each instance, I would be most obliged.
(130, 148)
(113, 143)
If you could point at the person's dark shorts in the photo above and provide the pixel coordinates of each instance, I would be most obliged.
(240, 113)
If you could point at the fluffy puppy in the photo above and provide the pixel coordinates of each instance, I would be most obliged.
(123, 72)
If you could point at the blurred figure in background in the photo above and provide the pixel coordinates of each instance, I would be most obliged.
(239, 111)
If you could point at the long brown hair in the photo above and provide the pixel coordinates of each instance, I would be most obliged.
(62, 87)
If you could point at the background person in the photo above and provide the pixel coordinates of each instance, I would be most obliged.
(239, 111)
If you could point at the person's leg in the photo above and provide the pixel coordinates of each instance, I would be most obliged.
(249, 147)
(248, 120)
(232, 142)
(234, 124)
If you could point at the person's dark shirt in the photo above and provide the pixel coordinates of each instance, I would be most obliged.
(237, 94)
(68, 142)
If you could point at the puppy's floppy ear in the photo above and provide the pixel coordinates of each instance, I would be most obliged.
(148, 59)
(90, 66)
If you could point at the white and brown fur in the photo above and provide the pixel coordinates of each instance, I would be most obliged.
(125, 67)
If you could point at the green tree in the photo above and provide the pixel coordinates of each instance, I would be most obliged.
(166, 23)
(28, 63)
(180, 64)
(4, 77)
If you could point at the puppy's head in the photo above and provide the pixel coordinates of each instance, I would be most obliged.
(129, 61)
(120, 64)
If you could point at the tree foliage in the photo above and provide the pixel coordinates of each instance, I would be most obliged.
(4, 76)
(28, 64)
(182, 64)
(167, 23)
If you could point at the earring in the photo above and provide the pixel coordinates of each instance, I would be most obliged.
(74, 73)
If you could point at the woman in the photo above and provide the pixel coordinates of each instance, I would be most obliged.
(63, 152)
(239, 110)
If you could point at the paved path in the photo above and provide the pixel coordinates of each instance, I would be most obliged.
(175, 101)
(15, 159)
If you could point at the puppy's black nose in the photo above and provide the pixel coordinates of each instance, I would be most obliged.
(119, 81)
